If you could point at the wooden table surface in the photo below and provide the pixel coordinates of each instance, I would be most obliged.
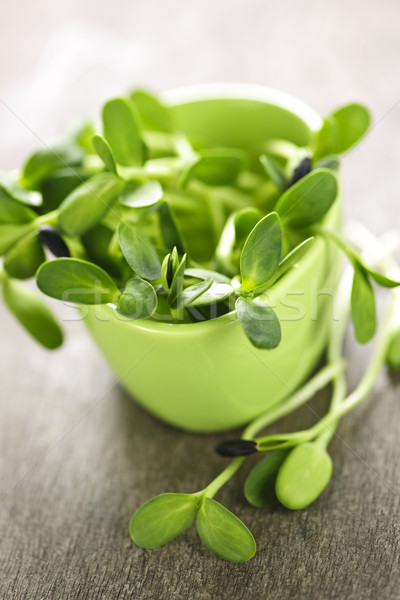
(77, 456)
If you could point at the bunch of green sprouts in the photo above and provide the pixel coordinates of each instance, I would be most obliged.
(136, 215)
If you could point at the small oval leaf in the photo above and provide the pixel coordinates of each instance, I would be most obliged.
(217, 292)
(12, 211)
(143, 195)
(259, 487)
(303, 476)
(153, 114)
(15, 191)
(215, 167)
(206, 273)
(223, 533)
(162, 519)
(139, 251)
(261, 253)
(75, 280)
(87, 204)
(122, 131)
(293, 258)
(10, 233)
(45, 161)
(32, 313)
(191, 293)
(259, 322)
(103, 150)
(307, 201)
(382, 280)
(23, 260)
(363, 308)
(352, 122)
(138, 300)
(393, 352)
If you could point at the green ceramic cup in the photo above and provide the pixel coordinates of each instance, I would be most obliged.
(206, 376)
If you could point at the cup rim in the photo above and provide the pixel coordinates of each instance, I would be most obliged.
(234, 91)
(244, 91)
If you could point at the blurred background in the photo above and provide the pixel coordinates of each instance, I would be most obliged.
(69, 438)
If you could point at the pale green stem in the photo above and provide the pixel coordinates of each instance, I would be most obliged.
(319, 381)
(48, 219)
(328, 422)
(351, 254)
(335, 350)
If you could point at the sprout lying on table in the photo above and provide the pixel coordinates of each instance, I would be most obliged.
(140, 219)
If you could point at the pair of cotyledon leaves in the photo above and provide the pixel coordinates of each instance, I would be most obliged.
(301, 206)
(163, 518)
(294, 477)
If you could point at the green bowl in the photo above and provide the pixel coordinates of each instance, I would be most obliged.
(206, 376)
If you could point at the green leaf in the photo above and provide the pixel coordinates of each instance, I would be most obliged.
(215, 167)
(23, 260)
(59, 185)
(12, 211)
(97, 245)
(352, 122)
(83, 135)
(122, 131)
(363, 309)
(259, 487)
(143, 195)
(308, 200)
(162, 519)
(32, 313)
(341, 130)
(169, 229)
(237, 228)
(274, 171)
(75, 280)
(217, 292)
(47, 160)
(206, 273)
(168, 268)
(103, 150)
(176, 288)
(324, 140)
(393, 352)
(332, 161)
(293, 258)
(259, 322)
(139, 251)
(191, 293)
(223, 533)
(153, 114)
(380, 279)
(303, 476)
(11, 233)
(138, 300)
(261, 253)
(88, 203)
(15, 191)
